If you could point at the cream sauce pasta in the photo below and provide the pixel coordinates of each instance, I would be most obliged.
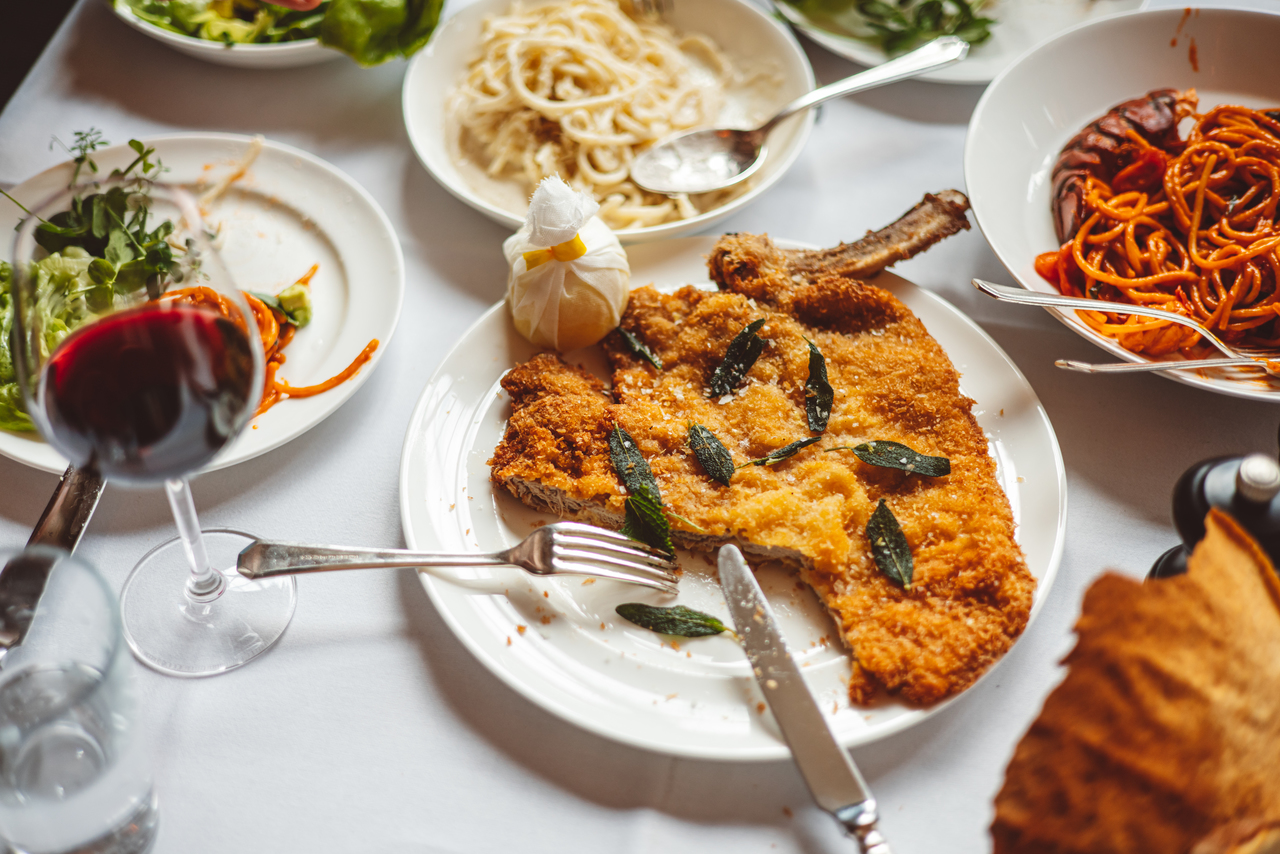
(576, 89)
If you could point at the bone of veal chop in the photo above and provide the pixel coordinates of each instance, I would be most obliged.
(971, 592)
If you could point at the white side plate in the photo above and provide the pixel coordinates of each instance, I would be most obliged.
(560, 644)
(291, 210)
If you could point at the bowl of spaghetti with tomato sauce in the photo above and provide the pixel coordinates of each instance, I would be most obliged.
(1186, 225)
(1151, 177)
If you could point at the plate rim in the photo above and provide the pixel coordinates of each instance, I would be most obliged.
(663, 231)
(350, 387)
(971, 156)
(775, 752)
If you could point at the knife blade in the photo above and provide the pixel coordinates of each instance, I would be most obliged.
(23, 578)
(828, 770)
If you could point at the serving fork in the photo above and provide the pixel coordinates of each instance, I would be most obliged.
(1234, 358)
(563, 548)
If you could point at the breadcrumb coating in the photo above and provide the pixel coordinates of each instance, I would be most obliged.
(971, 593)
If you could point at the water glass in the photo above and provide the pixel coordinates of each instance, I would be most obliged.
(73, 771)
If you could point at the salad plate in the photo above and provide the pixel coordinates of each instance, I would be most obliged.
(1032, 110)
(558, 641)
(289, 211)
(292, 54)
(1020, 24)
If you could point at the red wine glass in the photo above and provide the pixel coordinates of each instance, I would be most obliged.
(139, 357)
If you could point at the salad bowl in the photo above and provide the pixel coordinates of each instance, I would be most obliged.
(278, 55)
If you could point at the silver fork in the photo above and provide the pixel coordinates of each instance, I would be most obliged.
(563, 548)
(1235, 358)
(651, 10)
(1272, 367)
(1026, 297)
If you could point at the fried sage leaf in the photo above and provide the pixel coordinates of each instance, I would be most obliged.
(646, 523)
(640, 348)
(645, 520)
(630, 464)
(743, 351)
(818, 393)
(893, 455)
(678, 620)
(782, 453)
(889, 546)
(712, 455)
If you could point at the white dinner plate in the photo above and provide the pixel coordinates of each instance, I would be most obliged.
(560, 644)
(1032, 110)
(289, 211)
(1020, 25)
(753, 41)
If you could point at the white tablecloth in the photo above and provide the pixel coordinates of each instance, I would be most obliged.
(369, 727)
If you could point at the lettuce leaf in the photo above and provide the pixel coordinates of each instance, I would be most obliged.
(12, 414)
(65, 299)
(373, 31)
(7, 374)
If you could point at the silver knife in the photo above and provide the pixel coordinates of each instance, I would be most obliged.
(22, 580)
(827, 768)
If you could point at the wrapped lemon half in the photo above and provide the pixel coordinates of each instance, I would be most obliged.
(569, 278)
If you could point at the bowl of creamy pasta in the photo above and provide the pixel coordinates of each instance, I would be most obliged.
(507, 93)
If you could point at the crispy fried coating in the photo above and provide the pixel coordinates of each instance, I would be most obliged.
(971, 593)
(1165, 734)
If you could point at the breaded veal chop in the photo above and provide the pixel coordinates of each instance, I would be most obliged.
(971, 592)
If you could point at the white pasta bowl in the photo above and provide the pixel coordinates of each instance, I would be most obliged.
(281, 55)
(750, 38)
(1040, 102)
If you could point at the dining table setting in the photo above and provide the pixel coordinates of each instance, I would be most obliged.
(434, 598)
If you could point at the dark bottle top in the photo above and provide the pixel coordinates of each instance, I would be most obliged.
(1248, 488)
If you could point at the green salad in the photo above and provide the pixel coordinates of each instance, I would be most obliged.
(103, 255)
(896, 26)
(369, 31)
(232, 21)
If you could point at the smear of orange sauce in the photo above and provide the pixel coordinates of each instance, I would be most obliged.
(1187, 14)
(306, 279)
(347, 373)
(1193, 56)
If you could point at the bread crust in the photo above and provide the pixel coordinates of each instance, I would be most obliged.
(1165, 734)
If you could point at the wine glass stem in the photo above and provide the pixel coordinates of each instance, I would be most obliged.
(205, 583)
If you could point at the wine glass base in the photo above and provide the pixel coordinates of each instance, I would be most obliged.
(171, 633)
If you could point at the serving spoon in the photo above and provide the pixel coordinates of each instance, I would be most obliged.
(700, 161)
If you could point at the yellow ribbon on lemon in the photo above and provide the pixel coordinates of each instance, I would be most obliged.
(567, 251)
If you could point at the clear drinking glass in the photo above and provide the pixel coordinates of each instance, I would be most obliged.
(73, 771)
(139, 357)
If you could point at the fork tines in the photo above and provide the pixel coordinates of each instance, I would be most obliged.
(590, 550)
(651, 10)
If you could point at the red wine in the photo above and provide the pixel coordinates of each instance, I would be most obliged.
(150, 393)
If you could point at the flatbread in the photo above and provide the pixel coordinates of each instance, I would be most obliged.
(1166, 730)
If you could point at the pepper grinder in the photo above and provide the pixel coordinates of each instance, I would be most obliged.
(1246, 487)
